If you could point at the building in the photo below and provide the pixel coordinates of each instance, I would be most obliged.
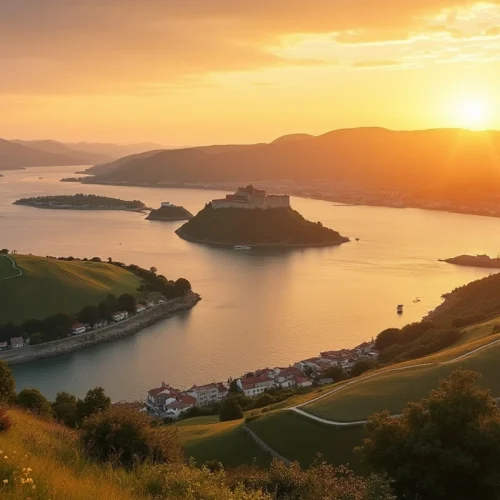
(100, 323)
(78, 328)
(119, 315)
(139, 308)
(208, 394)
(168, 401)
(183, 403)
(252, 198)
(167, 204)
(3, 345)
(16, 342)
(254, 386)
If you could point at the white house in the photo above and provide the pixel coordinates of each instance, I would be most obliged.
(119, 315)
(139, 308)
(16, 342)
(3, 345)
(254, 386)
(209, 393)
(78, 328)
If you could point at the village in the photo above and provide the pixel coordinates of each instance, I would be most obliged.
(79, 328)
(166, 401)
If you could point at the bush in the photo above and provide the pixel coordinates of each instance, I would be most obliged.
(95, 400)
(230, 410)
(7, 384)
(127, 302)
(127, 436)
(34, 401)
(5, 420)
(182, 286)
(387, 338)
(361, 367)
(336, 373)
(264, 400)
(65, 409)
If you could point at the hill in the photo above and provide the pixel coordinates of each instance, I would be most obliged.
(82, 156)
(274, 227)
(48, 286)
(113, 150)
(449, 164)
(172, 213)
(14, 155)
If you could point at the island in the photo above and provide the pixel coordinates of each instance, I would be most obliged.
(252, 218)
(474, 261)
(72, 179)
(82, 202)
(169, 212)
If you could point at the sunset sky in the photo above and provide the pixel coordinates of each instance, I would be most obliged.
(186, 72)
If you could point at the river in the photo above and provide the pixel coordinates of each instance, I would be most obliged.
(259, 308)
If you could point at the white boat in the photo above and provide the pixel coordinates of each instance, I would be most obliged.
(241, 247)
(400, 309)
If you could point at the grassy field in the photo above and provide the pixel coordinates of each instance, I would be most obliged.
(6, 268)
(299, 438)
(207, 439)
(391, 391)
(49, 286)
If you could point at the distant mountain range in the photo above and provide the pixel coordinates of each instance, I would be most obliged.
(18, 154)
(453, 163)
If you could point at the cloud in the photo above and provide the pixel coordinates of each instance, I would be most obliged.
(99, 46)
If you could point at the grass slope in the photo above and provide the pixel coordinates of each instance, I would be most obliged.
(6, 268)
(302, 439)
(207, 439)
(49, 286)
(391, 391)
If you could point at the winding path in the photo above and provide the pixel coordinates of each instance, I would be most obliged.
(357, 380)
(19, 271)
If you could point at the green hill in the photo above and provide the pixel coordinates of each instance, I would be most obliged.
(49, 286)
(275, 227)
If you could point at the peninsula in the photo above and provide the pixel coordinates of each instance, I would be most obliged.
(474, 261)
(169, 212)
(254, 218)
(82, 202)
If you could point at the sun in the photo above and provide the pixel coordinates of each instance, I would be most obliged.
(472, 112)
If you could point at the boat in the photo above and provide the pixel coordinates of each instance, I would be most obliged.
(241, 247)
(400, 309)
(357, 239)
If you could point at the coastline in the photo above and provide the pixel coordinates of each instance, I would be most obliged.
(106, 334)
(140, 210)
(218, 244)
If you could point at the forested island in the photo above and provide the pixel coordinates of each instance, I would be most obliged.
(275, 227)
(81, 202)
(169, 213)
(474, 261)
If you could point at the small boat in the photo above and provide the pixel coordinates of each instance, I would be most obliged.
(400, 309)
(357, 239)
(241, 247)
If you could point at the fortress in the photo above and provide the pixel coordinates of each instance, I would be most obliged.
(252, 198)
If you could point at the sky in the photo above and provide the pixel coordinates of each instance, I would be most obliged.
(186, 72)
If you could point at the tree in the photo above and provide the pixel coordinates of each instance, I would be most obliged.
(34, 401)
(153, 270)
(182, 286)
(36, 338)
(7, 384)
(57, 326)
(127, 302)
(65, 409)
(230, 410)
(387, 338)
(95, 401)
(169, 290)
(334, 372)
(89, 314)
(264, 400)
(445, 446)
(361, 367)
(126, 435)
(31, 326)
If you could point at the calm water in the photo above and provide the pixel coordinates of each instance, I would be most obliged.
(259, 308)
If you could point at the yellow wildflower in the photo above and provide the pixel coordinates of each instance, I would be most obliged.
(5, 481)
(34, 487)
(29, 469)
(6, 457)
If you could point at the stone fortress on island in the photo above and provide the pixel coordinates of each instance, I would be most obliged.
(252, 198)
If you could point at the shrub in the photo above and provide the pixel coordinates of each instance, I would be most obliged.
(7, 384)
(387, 338)
(95, 400)
(361, 367)
(34, 401)
(125, 435)
(230, 410)
(5, 420)
(264, 400)
(65, 409)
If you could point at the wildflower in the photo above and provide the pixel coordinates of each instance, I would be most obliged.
(34, 487)
(5, 481)
(29, 469)
(6, 457)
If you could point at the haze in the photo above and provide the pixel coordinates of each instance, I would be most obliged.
(198, 72)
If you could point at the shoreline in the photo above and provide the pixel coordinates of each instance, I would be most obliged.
(113, 209)
(106, 334)
(218, 244)
(340, 201)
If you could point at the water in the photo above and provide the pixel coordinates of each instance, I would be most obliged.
(259, 308)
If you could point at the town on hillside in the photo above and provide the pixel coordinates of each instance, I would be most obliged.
(252, 198)
(166, 401)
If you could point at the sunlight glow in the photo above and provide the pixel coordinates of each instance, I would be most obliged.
(472, 112)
